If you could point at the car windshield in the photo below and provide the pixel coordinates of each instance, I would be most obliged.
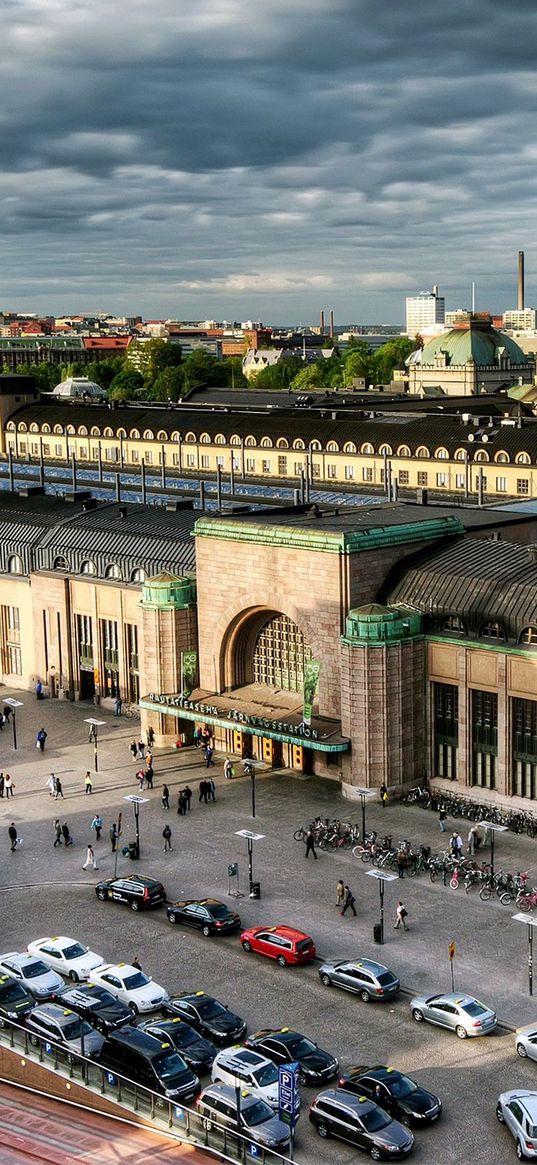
(170, 1068)
(267, 1074)
(210, 1009)
(374, 1120)
(137, 980)
(257, 1113)
(473, 1008)
(300, 1047)
(12, 991)
(220, 912)
(33, 970)
(74, 951)
(401, 1086)
(182, 1036)
(385, 978)
(76, 1028)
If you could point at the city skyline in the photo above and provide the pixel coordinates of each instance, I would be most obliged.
(223, 162)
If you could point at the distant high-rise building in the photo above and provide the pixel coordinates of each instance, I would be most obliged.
(522, 319)
(426, 310)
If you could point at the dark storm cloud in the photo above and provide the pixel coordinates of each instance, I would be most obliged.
(215, 157)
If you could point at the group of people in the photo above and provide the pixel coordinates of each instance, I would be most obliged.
(345, 899)
(184, 798)
(62, 834)
(6, 785)
(207, 791)
(203, 738)
(54, 786)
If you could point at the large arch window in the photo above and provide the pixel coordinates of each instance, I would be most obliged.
(108, 432)
(14, 564)
(112, 571)
(386, 450)
(459, 455)
(148, 435)
(266, 443)
(349, 447)
(138, 575)
(205, 439)
(422, 451)
(94, 432)
(161, 435)
(88, 567)
(234, 440)
(442, 454)
(502, 458)
(61, 563)
(282, 443)
(332, 447)
(315, 446)
(191, 438)
(279, 655)
(523, 459)
(250, 442)
(481, 455)
(34, 428)
(299, 444)
(220, 439)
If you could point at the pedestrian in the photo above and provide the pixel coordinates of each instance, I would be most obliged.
(401, 917)
(181, 803)
(1, 784)
(113, 837)
(167, 835)
(119, 706)
(208, 756)
(141, 750)
(133, 749)
(136, 963)
(8, 785)
(90, 859)
(383, 796)
(197, 737)
(88, 783)
(456, 845)
(40, 739)
(58, 788)
(150, 737)
(51, 785)
(149, 774)
(211, 789)
(149, 758)
(39, 690)
(340, 893)
(401, 861)
(473, 840)
(12, 833)
(57, 833)
(97, 825)
(310, 844)
(349, 900)
(486, 834)
(140, 777)
(203, 791)
(188, 795)
(228, 769)
(442, 817)
(66, 835)
(165, 797)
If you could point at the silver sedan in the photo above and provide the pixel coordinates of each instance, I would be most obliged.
(462, 1014)
(526, 1041)
(38, 979)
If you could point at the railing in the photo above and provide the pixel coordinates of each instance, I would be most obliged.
(186, 1123)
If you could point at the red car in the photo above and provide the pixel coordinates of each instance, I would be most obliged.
(283, 943)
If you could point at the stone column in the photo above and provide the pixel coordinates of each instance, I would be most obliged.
(169, 626)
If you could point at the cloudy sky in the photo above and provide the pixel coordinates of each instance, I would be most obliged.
(232, 159)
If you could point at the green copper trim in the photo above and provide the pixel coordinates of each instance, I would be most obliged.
(327, 541)
(373, 625)
(499, 648)
(223, 722)
(168, 592)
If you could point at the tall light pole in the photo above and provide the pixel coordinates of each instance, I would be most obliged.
(493, 830)
(136, 802)
(250, 838)
(381, 877)
(530, 923)
(13, 704)
(363, 795)
(93, 736)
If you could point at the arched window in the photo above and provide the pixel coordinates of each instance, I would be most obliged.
(523, 459)
(205, 439)
(176, 436)
(403, 451)
(108, 432)
(45, 428)
(14, 564)
(422, 451)
(34, 428)
(315, 446)
(112, 571)
(82, 431)
(94, 431)
(482, 455)
(162, 436)
(442, 454)
(220, 439)
(135, 435)
(138, 575)
(234, 440)
(282, 443)
(191, 438)
(298, 444)
(61, 563)
(367, 449)
(122, 433)
(454, 623)
(529, 636)
(70, 429)
(88, 567)
(349, 447)
(24, 429)
(266, 443)
(386, 449)
(502, 457)
(332, 447)
(460, 455)
(148, 435)
(491, 630)
(58, 429)
(250, 442)
(279, 655)
(11, 427)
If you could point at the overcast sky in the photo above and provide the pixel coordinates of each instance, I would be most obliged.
(233, 159)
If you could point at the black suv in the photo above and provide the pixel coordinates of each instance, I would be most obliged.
(398, 1094)
(15, 1001)
(360, 1122)
(149, 1062)
(98, 1006)
(210, 1017)
(198, 1052)
(138, 892)
(285, 1046)
(207, 914)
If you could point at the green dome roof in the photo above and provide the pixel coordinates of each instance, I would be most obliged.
(473, 339)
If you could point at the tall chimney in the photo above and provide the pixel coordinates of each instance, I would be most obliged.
(331, 323)
(321, 323)
(520, 296)
(435, 290)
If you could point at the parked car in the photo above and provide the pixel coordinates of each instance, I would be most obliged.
(285, 1046)
(64, 1029)
(238, 1066)
(526, 1041)
(33, 973)
(130, 985)
(134, 890)
(210, 1017)
(195, 1050)
(67, 956)
(151, 1062)
(365, 977)
(518, 1111)
(205, 914)
(282, 943)
(101, 1009)
(362, 1123)
(400, 1096)
(462, 1014)
(15, 1001)
(240, 1110)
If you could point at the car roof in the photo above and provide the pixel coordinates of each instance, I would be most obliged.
(194, 997)
(199, 902)
(20, 957)
(230, 1093)
(136, 1037)
(54, 1010)
(122, 968)
(245, 1055)
(367, 965)
(361, 1104)
(280, 928)
(54, 938)
(530, 1029)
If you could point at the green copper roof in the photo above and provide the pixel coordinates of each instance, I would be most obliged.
(319, 537)
(477, 340)
(373, 625)
(166, 590)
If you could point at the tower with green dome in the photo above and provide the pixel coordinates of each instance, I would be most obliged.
(469, 359)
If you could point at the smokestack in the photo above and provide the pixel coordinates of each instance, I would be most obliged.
(435, 290)
(520, 296)
(331, 323)
(321, 323)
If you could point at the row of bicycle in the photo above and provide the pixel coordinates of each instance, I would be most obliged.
(329, 833)
(457, 806)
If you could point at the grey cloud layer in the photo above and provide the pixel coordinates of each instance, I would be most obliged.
(226, 158)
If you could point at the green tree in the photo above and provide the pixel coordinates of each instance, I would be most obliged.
(357, 362)
(393, 352)
(169, 385)
(126, 385)
(103, 371)
(278, 377)
(232, 374)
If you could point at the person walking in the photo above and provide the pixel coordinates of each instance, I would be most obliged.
(456, 845)
(113, 837)
(97, 825)
(167, 835)
(165, 797)
(58, 840)
(228, 769)
(473, 840)
(90, 859)
(209, 756)
(181, 803)
(136, 963)
(211, 789)
(442, 818)
(203, 791)
(8, 785)
(88, 782)
(401, 861)
(188, 796)
(401, 914)
(40, 739)
(141, 778)
(51, 785)
(310, 844)
(149, 758)
(66, 835)
(58, 788)
(118, 706)
(133, 749)
(383, 796)
(150, 737)
(149, 774)
(349, 900)
(141, 750)
(340, 893)
(39, 690)
(13, 838)
(1, 784)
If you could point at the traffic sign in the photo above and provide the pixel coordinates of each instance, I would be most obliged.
(288, 1093)
(247, 833)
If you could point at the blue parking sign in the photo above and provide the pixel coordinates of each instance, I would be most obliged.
(288, 1093)
(254, 1150)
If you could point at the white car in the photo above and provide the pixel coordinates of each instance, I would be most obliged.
(33, 973)
(130, 985)
(526, 1041)
(248, 1069)
(66, 955)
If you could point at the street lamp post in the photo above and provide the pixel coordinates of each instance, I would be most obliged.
(363, 795)
(136, 802)
(250, 838)
(530, 923)
(93, 736)
(249, 771)
(493, 829)
(13, 704)
(381, 877)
